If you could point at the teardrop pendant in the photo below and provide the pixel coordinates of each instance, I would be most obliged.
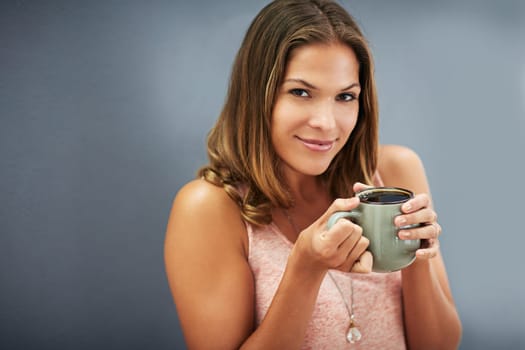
(353, 335)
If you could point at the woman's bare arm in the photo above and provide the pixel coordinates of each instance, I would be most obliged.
(431, 319)
(207, 266)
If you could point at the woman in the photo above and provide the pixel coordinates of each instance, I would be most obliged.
(248, 256)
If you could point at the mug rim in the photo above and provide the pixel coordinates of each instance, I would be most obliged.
(401, 190)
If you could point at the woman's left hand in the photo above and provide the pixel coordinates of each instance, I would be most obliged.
(418, 210)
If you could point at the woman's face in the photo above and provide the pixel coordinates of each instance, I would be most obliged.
(316, 107)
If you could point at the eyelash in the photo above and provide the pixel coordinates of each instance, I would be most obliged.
(344, 97)
(299, 92)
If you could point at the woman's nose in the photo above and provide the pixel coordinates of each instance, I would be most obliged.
(323, 116)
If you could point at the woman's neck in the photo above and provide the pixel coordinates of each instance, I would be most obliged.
(305, 189)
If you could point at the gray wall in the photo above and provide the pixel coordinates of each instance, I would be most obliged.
(104, 107)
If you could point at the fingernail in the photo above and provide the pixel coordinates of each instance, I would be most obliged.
(404, 234)
(407, 206)
(400, 221)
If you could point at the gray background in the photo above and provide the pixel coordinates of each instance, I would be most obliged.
(104, 108)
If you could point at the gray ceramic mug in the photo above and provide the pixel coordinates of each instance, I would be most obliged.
(375, 214)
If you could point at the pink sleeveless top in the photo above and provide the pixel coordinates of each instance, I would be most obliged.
(377, 298)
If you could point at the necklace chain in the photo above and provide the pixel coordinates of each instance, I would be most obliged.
(353, 334)
(349, 308)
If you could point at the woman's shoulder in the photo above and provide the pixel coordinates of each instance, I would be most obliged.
(204, 215)
(400, 165)
(199, 190)
(392, 157)
(205, 199)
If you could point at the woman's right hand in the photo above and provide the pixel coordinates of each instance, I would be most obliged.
(342, 247)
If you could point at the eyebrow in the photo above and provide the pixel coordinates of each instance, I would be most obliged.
(313, 87)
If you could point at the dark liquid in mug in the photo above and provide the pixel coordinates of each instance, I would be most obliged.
(385, 197)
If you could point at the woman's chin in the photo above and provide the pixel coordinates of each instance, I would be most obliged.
(314, 170)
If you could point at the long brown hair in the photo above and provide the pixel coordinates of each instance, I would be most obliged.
(242, 158)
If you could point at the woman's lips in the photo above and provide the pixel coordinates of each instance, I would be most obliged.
(317, 145)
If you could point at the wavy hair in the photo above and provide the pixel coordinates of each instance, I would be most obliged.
(241, 156)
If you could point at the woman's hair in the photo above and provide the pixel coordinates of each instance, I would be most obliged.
(242, 158)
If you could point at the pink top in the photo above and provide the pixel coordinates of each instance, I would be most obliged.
(377, 297)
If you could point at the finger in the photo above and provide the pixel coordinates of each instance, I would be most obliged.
(351, 250)
(358, 250)
(342, 231)
(340, 204)
(425, 215)
(424, 232)
(421, 200)
(359, 186)
(363, 264)
(430, 252)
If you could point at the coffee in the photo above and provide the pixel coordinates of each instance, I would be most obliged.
(387, 196)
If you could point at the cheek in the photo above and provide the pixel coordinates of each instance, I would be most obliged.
(348, 122)
(285, 116)
(279, 123)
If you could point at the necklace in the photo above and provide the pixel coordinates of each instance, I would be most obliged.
(353, 334)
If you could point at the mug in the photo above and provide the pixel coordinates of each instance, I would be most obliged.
(375, 214)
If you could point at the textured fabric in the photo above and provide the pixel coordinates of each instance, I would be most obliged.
(377, 297)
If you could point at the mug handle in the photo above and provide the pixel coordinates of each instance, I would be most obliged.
(340, 215)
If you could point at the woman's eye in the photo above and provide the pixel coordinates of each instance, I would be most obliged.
(346, 97)
(299, 92)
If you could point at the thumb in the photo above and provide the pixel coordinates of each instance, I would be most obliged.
(359, 186)
(340, 204)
